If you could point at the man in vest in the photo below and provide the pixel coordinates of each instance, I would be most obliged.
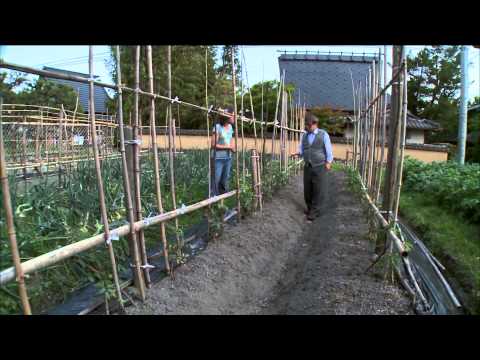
(316, 150)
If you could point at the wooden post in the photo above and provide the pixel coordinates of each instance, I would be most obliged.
(12, 237)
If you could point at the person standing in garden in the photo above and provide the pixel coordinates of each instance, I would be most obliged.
(316, 150)
(223, 146)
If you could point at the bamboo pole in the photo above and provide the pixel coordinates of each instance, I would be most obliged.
(101, 193)
(234, 88)
(136, 168)
(241, 126)
(275, 119)
(402, 144)
(384, 124)
(65, 252)
(209, 145)
(156, 166)
(12, 237)
(170, 147)
(134, 248)
(56, 75)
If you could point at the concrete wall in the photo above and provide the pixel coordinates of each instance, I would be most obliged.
(187, 142)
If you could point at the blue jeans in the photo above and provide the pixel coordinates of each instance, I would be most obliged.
(222, 169)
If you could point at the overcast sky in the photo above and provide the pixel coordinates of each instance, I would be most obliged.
(261, 61)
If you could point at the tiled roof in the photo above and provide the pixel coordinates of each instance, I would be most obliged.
(325, 80)
(101, 95)
(413, 122)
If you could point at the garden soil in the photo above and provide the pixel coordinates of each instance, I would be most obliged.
(277, 263)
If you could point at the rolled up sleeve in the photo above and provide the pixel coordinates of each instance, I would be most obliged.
(300, 145)
(328, 147)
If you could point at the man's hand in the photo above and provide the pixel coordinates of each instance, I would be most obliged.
(328, 166)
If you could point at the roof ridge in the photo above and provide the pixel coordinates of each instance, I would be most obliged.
(68, 72)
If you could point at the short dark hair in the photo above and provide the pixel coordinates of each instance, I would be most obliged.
(310, 118)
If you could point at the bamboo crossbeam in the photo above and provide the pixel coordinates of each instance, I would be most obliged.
(80, 79)
(65, 252)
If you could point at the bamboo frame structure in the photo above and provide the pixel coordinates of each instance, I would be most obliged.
(66, 122)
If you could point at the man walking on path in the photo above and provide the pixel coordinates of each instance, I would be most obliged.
(316, 150)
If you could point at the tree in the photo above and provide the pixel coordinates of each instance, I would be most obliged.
(48, 93)
(188, 81)
(16, 89)
(433, 88)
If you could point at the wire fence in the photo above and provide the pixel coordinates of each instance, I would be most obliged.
(39, 137)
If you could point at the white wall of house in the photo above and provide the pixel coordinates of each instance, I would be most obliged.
(415, 136)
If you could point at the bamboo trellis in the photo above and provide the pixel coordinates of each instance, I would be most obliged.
(370, 133)
(65, 123)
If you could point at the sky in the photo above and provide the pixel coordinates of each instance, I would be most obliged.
(261, 61)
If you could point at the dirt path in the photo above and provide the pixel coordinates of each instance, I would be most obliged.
(282, 265)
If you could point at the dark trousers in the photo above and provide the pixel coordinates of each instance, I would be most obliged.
(315, 188)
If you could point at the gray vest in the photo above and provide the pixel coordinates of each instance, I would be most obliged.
(314, 154)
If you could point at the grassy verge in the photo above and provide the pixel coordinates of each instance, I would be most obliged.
(451, 238)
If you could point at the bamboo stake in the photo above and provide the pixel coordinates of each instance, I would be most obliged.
(7, 203)
(242, 132)
(170, 148)
(156, 166)
(101, 193)
(275, 119)
(134, 248)
(236, 134)
(209, 145)
(136, 169)
(402, 145)
(384, 125)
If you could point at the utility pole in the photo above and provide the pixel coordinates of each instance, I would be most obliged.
(462, 121)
